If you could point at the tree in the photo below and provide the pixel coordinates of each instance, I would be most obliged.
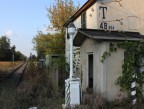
(5, 48)
(7, 52)
(18, 56)
(49, 44)
(39, 42)
(60, 12)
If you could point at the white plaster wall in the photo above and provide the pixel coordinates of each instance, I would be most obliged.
(99, 71)
(113, 71)
(136, 7)
(77, 22)
(97, 48)
(85, 49)
(91, 18)
(114, 15)
(91, 14)
(105, 73)
(126, 15)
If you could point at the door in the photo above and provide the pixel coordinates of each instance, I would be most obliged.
(90, 70)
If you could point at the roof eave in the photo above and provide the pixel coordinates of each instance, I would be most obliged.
(88, 4)
(80, 36)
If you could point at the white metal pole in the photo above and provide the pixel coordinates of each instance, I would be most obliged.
(71, 56)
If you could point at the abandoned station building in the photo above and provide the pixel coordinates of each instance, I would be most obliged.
(98, 23)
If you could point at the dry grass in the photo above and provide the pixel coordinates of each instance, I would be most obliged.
(35, 90)
(4, 66)
(97, 101)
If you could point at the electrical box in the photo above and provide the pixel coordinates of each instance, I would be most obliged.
(75, 92)
(72, 92)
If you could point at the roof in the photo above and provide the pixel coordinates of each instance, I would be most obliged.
(88, 4)
(97, 34)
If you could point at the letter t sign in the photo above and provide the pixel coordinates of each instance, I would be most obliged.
(103, 10)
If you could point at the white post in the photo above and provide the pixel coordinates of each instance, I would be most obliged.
(71, 32)
(72, 85)
(71, 56)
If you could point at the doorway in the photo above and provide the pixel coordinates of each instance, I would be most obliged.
(90, 71)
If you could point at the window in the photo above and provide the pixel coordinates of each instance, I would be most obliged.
(83, 20)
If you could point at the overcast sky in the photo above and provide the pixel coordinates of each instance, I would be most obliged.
(21, 19)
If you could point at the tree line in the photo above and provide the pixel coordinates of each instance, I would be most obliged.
(7, 52)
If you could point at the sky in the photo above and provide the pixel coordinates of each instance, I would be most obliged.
(21, 19)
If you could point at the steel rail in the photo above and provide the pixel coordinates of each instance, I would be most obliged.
(10, 73)
(21, 74)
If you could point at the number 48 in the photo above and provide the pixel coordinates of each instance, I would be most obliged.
(103, 25)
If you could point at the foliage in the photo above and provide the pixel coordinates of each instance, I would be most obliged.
(112, 48)
(49, 43)
(133, 63)
(76, 62)
(5, 48)
(33, 58)
(7, 53)
(60, 12)
(61, 62)
(19, 56)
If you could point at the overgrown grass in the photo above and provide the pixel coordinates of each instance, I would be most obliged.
(36, 89)
(7, 100)
(97, 101)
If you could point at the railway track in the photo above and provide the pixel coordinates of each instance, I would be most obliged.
(15, 74)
